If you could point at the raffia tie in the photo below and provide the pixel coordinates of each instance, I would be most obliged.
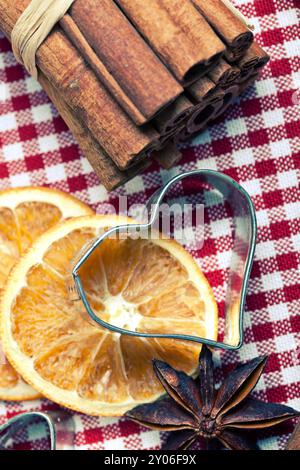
(38, 20)
(32, 28)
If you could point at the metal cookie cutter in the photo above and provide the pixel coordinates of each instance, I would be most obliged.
(59, 424)
(244, 234)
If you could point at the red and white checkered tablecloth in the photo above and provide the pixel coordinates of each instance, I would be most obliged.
(257, 143)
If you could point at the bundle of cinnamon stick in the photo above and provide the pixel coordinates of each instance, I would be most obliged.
(132, 79)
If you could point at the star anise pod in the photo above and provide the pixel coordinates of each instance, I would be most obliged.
(194, 409)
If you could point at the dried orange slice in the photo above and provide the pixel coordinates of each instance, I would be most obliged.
(149, 285)
(26, 213)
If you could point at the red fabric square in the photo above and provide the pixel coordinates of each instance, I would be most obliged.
(221, 146)
(251, 107)
(27, 132)
(93, 435)
(209, 248)
(3, 170)
(77, 183)
(280, 67)
(4, 45)
(14, 72)
(70, 153)
(215, 278)
(292, 292)
(257, 138)
(59, 124)
(256, 301)
(21, 102)
(128, 428)
(265, 168)
(271, 38)
(292, 130)
(262, 332)
(34, 163)
(287, 261)
(273, 199)
(263, 7)
(273, 363)
(280, 230)
(277, 394)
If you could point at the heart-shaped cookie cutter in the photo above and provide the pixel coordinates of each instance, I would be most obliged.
(60, 426)
(245, 230)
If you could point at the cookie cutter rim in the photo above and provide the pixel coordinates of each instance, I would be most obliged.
(60, 425)
(25, 417)
(76, 289)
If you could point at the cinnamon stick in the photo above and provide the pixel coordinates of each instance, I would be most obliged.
(255, 57)
(107, 171)
(173, 117)
(168, 156)
(204, 112)
(179, 34)
(201, 89)
(247, 83)
(230, 95)
(61, 63)
(121, 58)
(227, 25)
(224, 74)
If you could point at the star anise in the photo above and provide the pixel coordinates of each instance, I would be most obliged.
(194, 409)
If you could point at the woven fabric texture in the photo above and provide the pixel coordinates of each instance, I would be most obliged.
(257, 143)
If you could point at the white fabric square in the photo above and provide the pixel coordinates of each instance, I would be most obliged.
(7, 122)
(4, 93)
(56, 173)
(273, 118)
(287, 17)
(220, 227)
(208, 164)
(285, 343)
(114, 444)
(272, 281)
(243, 157)
(236, 127)
(253, 21)
(296, 241)
(287, 179)
(278, 312)
(48, 143)
(13, 152)
(280, 148)
(32, 85)
(265, 87)
(86, 166)
(21, 179)
(291, 374)
(41, 113)
(262, 218)
(98, 194)
(248, 352)
(150, 439)
(292, 48)
(224, 258)
(253, 187)
(292, 210)
(265, 250)
(134, 186)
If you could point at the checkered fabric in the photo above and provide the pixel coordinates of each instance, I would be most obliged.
(257, 143)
